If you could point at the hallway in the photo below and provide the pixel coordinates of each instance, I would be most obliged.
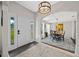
(43, 50)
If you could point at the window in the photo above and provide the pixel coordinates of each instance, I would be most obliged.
(12, 30)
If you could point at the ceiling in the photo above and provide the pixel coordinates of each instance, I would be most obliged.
(60, 17)
(33, 5)
(60, 14)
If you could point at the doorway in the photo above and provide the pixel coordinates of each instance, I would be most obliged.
(62, 31)
(21, 31)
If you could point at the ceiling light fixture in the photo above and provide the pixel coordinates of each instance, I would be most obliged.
(44, 7)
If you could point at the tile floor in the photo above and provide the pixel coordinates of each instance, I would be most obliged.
(19, 50)
(44, 50)
(66, 44)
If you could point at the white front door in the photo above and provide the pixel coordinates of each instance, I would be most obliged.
(25, 31)
(21, 31)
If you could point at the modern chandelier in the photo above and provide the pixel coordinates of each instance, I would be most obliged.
(44, 7)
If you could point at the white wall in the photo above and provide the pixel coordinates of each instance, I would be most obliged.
(77, 36)
(38, 28)
(69, 29)
(5, 30)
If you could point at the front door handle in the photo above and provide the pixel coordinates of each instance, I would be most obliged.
(18, 32)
